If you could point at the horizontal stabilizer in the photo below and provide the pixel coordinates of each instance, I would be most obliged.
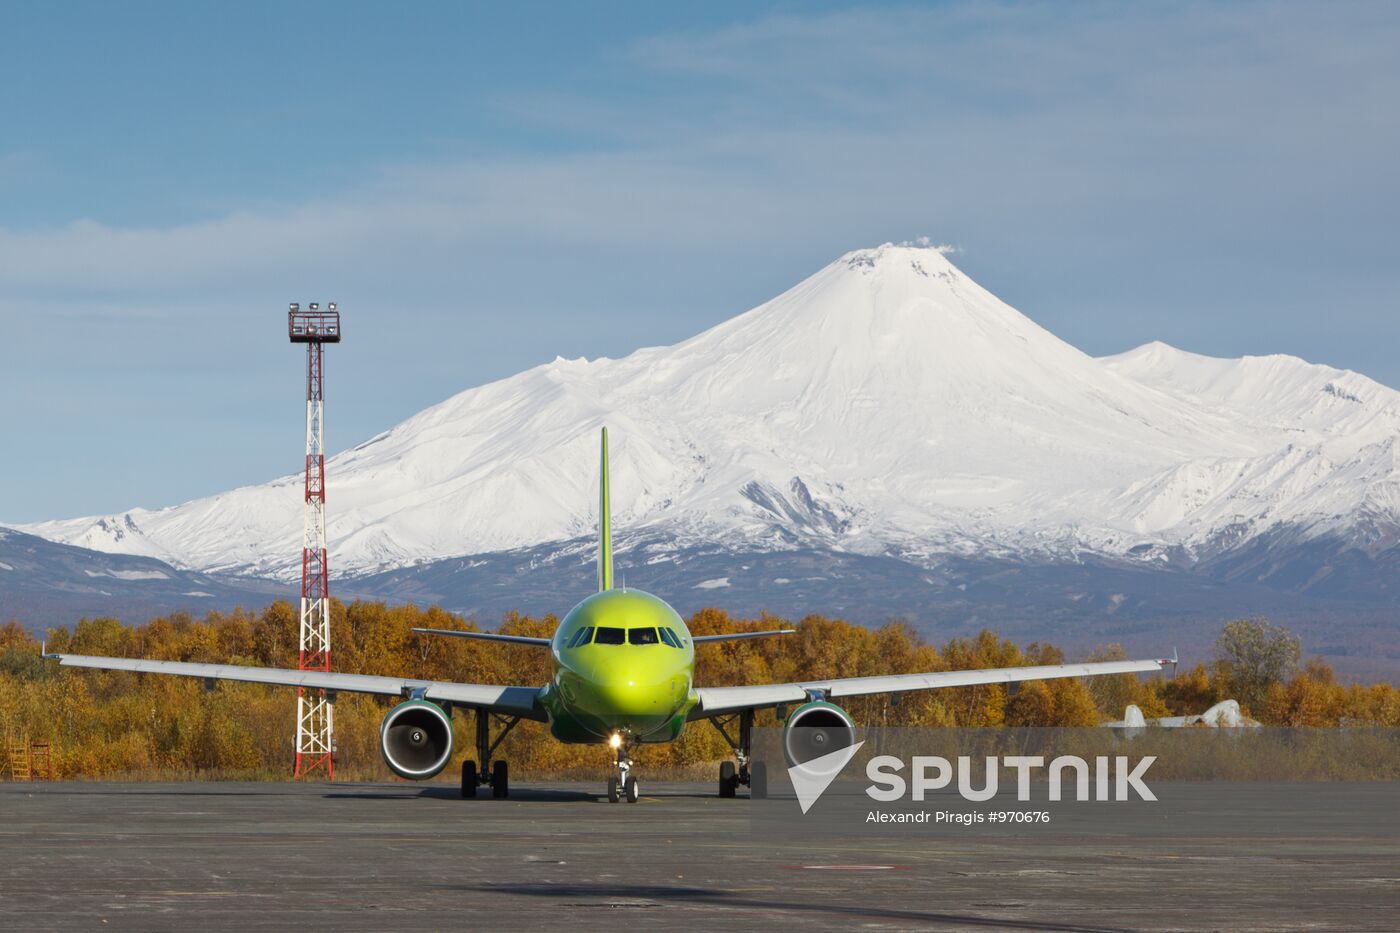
(486, 636)
(735, 636)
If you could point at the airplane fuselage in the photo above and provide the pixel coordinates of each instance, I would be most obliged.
(623, 664)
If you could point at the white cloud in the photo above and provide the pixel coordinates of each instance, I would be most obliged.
(844, 129)
(947, 249)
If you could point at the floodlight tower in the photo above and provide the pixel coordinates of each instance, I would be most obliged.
(315, 743)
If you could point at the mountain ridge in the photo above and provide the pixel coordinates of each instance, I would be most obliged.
(888, 405)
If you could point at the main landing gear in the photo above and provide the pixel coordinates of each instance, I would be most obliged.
(752, 774)
(623, 784)
(495, 774)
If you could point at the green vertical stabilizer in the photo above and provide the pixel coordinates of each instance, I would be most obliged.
(605, 570)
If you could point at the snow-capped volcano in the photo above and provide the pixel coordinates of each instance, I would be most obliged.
(885, 405)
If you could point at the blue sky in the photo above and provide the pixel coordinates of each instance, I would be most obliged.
(483, 188)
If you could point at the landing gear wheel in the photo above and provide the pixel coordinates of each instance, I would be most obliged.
(494, 773)
(612, 790)
(758, 781)
(728, 779)
(631, 788)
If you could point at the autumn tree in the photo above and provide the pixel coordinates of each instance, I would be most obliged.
(1254, 654)
(108, 723)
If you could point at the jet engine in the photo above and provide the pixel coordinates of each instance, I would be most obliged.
(816, 729)
(416, 739)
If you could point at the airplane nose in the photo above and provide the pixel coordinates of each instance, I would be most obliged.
(613, 692)
(632, 693)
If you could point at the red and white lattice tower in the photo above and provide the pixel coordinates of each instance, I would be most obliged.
(315, 732)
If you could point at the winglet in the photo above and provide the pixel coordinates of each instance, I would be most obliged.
(605, 561)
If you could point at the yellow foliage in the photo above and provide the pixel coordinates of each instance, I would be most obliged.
(113, 723)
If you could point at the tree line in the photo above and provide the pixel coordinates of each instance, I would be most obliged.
(120, 724)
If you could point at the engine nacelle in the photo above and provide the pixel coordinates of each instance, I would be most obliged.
(416, 739)
(814, 730)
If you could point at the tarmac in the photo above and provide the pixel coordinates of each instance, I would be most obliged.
(250, 856)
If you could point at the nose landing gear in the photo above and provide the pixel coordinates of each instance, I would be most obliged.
(623, 784)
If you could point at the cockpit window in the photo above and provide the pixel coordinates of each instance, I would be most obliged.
(642, 636)
(669, 636)
(610, 636)
(581, 637)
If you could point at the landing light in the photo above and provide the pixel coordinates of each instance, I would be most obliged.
(615, 741)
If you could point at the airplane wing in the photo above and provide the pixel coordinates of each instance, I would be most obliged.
(511, 701)
(714, 701)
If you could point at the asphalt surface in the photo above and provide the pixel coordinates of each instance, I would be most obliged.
(403, 857)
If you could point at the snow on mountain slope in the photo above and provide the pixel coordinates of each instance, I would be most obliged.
(1333, 471)
(1284, 392)
(887, 404)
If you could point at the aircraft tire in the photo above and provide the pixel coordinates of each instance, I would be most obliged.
(469, 780)
(758, 780)
(728, 779)
(632, 792)
(500, 779)
(612, 790)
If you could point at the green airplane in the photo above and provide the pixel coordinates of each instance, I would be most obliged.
(623, 675)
